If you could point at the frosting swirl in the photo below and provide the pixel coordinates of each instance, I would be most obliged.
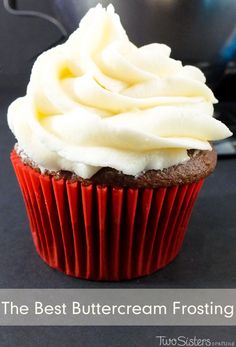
(97, 100)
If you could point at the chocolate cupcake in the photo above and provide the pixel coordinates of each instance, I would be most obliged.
(112, 150)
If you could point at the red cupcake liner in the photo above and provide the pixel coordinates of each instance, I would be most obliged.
(102, 232)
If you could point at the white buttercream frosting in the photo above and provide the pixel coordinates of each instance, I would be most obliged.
(99, 101)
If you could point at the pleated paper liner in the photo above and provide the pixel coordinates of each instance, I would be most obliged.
(101, 232)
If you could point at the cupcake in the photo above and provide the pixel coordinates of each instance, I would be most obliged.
(113, 145)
